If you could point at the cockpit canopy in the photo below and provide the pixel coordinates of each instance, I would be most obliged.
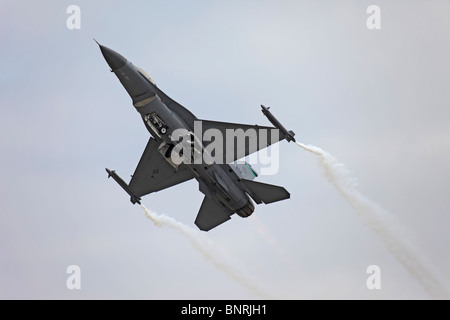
(145, 74)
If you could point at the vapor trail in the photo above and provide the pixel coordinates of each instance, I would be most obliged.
(212, 251)
(396, 239)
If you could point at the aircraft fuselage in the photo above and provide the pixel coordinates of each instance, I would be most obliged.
(217, 181)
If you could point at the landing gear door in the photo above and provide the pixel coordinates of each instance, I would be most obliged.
(156, 123)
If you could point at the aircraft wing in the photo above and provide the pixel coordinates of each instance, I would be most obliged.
(257, 138)
(154, 173)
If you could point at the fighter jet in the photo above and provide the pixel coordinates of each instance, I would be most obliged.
(183, 147)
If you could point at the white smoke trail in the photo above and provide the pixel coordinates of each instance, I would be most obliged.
(211, 251)
(383, 224)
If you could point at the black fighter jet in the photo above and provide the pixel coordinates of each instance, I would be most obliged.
(183, 147)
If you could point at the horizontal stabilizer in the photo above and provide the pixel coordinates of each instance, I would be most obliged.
(211, 214)
(263, 192)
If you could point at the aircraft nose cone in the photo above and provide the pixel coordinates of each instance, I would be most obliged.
(114, 60)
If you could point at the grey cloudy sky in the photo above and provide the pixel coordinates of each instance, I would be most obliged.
(376, 99)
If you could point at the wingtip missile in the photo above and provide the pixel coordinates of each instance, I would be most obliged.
(289, 134)
(134, 198)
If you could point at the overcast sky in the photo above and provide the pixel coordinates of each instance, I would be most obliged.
(376, 99)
